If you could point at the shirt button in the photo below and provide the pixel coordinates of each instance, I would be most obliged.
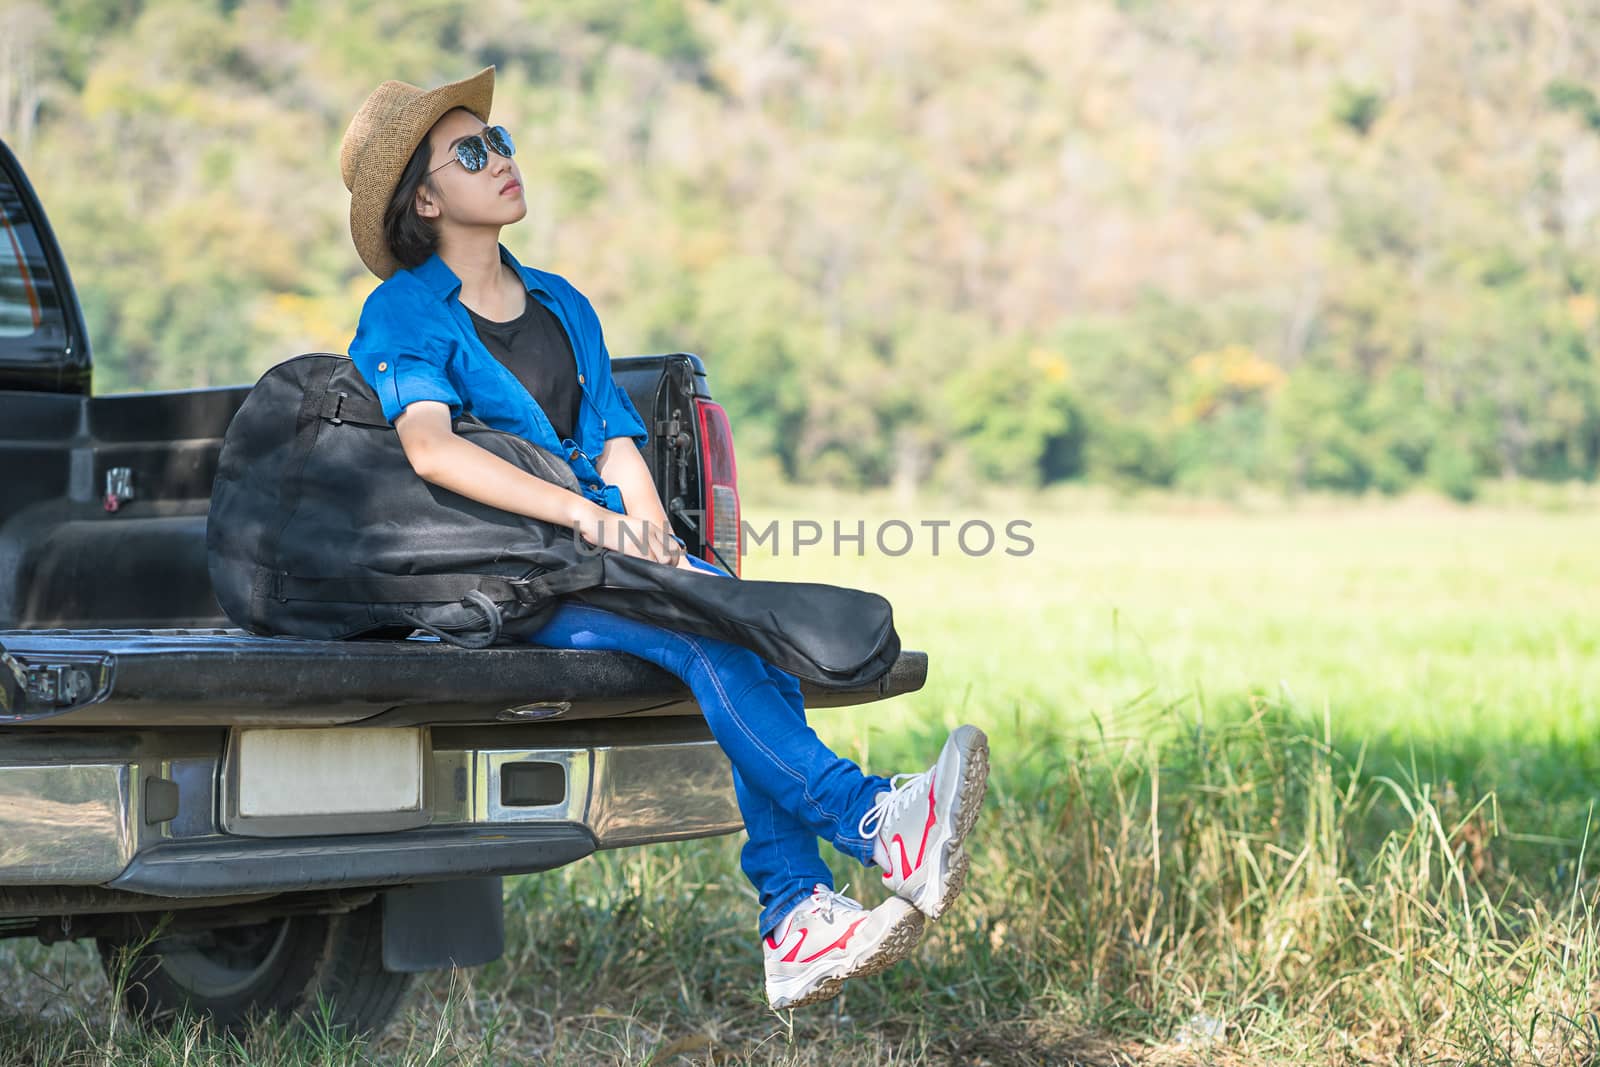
(602, 424)
(574, 454)
(580, 379)
(383, 367)
(594, 485)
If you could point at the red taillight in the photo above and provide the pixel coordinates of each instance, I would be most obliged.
(28, 292)
(720, 476)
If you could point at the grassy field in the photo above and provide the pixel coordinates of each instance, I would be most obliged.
(1297, 785)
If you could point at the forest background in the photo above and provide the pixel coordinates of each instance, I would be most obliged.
(1206, 245)
(1316, 782)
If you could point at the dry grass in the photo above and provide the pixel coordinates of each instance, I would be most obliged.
(1267, 789)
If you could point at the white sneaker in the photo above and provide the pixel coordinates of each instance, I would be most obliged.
(920, 823)
(830, 938)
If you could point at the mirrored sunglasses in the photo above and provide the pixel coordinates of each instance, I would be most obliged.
(473, 152)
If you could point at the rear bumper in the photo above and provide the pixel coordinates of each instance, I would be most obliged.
(182, 869)
(145, 811)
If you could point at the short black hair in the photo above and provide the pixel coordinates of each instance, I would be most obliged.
(411, 238)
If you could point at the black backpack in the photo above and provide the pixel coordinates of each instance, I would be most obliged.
(320, 528)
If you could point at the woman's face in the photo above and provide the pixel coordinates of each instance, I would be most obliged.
(491, 197)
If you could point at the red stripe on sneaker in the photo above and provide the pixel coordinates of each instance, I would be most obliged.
(905, 861)
(844, 939)
(804, 930)
(933, 817)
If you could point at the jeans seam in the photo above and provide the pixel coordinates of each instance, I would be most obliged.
(733, 715)
(777, 675)
(850, 844)
(788, 868)
(805, 786)
(840, 840)
(777, 916)
(577, 618)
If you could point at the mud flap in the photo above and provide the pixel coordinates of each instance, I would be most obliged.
(441, 924)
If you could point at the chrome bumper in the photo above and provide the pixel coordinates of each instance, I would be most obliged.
(153, 817)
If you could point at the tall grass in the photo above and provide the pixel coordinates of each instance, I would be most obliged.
(1268, 788)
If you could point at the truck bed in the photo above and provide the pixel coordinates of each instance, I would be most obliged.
(213, 677)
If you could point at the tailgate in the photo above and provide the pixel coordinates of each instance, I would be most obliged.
(220, 677)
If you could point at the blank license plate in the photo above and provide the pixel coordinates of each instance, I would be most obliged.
(287, 773)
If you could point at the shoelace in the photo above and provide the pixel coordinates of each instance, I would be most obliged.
(904, 789)
(823, 901)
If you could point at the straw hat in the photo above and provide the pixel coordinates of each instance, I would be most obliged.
(379, 144)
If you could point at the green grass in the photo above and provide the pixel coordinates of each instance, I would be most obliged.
(1322, 777)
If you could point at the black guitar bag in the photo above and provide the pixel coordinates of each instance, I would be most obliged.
(320, 528)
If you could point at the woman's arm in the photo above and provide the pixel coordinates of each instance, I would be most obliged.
(442, 457)
(621, 464)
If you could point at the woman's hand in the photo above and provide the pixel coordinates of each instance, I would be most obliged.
(628, 534)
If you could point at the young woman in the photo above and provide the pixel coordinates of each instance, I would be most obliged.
(458, 324)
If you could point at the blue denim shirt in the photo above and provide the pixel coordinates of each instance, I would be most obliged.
(415, 342)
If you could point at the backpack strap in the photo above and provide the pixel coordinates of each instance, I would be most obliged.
(344, 405)
(341, 405)
(441, 588)
(307, 423)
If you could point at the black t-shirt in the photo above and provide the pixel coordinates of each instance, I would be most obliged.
(535, 348)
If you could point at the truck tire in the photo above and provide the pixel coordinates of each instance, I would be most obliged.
(283, 966)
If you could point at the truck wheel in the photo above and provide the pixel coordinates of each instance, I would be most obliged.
(283, 966)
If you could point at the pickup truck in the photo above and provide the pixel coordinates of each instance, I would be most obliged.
(250, 824)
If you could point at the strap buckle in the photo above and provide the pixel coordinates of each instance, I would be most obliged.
(530, 591)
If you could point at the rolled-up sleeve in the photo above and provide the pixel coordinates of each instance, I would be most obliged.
(621, 418)
(401, 358)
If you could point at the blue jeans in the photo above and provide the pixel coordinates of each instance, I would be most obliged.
(791, 788)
